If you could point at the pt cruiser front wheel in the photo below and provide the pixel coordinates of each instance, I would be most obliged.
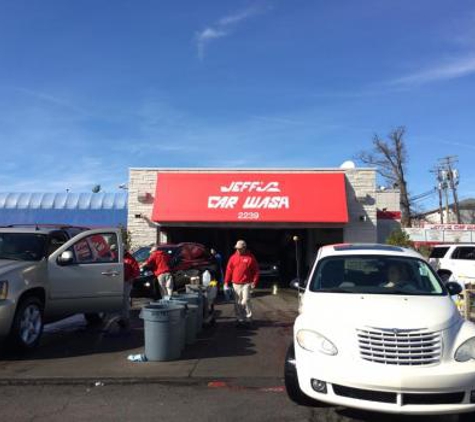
(292, 382)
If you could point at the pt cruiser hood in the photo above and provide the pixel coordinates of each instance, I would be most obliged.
(380, 311)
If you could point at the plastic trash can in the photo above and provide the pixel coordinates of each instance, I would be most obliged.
(202, 292)
(191, 318)
(182, 329)
(195, 297)
(162, 325)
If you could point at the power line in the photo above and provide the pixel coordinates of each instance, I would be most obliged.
(423, 195)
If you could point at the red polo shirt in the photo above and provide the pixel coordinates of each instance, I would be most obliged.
(242, 269)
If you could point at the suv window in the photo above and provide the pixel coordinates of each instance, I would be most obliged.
(96, 248)
(56, 239)
(464, 252)
(438, 252)
(22, 246)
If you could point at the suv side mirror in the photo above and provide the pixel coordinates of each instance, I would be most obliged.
(66, 258)
(453, 288)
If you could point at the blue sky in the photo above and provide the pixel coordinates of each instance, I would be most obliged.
(90, 88)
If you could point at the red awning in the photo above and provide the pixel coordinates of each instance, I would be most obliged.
(250, 197)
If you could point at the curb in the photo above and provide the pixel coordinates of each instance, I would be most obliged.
(266, 384)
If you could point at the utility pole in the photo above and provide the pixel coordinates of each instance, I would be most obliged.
(452, 179)
(439, 187)
(447, 210)
(441, 211)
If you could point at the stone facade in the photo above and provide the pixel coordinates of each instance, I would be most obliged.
(361, 200)
(360, 191)
(142, 230)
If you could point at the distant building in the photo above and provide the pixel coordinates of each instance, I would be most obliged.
(428, 229)
(80, 209)
(467, 214)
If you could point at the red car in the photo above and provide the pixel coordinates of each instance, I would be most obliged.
(187, 260)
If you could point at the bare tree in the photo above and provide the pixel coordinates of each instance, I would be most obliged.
(390, 159)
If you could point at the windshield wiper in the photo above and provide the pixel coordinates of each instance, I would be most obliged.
(337, 290)
(402, 292)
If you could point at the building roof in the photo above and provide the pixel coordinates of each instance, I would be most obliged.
(465, 204)
(80, 201)
(85, 209)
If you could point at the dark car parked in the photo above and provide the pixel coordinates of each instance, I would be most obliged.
(187, 260)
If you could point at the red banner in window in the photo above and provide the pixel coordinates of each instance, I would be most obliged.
(250, 197)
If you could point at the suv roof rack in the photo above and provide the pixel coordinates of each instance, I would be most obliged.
(45, 226)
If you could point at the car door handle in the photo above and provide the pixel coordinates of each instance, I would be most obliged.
(110, 273)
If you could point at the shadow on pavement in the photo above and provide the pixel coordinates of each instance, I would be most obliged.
(74, 337)
(223, 339)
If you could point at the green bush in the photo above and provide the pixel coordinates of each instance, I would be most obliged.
(399, 237)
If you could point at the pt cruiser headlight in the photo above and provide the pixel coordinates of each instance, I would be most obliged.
(314, 342)
(3, 289)
(466, 351)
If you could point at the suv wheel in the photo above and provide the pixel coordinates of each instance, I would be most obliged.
(28, 324)
(292, 382)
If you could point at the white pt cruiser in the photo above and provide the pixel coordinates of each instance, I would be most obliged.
(377, 330)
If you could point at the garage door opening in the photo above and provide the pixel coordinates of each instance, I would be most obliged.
(274, 249)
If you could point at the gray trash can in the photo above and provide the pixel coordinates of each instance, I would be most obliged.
(191, 318)
(190, 327)
(162, 325)
(180, 329)
(202, 293)
(196, 298)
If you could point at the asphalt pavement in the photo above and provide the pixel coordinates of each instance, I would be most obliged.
(73, 352)
(81, 373)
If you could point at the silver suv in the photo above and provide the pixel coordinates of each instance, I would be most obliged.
(454, 262)
(50, 272)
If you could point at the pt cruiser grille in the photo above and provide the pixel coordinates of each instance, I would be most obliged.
(399, 347)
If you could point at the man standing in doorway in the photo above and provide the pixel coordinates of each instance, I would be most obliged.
(243, 271)
(159, 263)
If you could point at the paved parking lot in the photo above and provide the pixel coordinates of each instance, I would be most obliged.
(73, 352)
(232, 374)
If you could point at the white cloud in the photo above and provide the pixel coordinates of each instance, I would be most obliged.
(458, 68)
(223, 27)
(60, 102)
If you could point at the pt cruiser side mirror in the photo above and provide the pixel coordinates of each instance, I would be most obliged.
(453, 288)
(297, 284)
(66, 258)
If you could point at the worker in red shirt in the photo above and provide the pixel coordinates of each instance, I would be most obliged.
(131, 272)
(159, 263)
(243, 271)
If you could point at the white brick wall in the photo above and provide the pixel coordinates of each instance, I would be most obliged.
(143, 231)
(360, 191)
(389, 199)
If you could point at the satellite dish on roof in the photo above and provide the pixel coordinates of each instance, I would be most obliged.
(348, 165)
(96, 189)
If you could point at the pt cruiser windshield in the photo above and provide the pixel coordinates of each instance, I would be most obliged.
(375, 275)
